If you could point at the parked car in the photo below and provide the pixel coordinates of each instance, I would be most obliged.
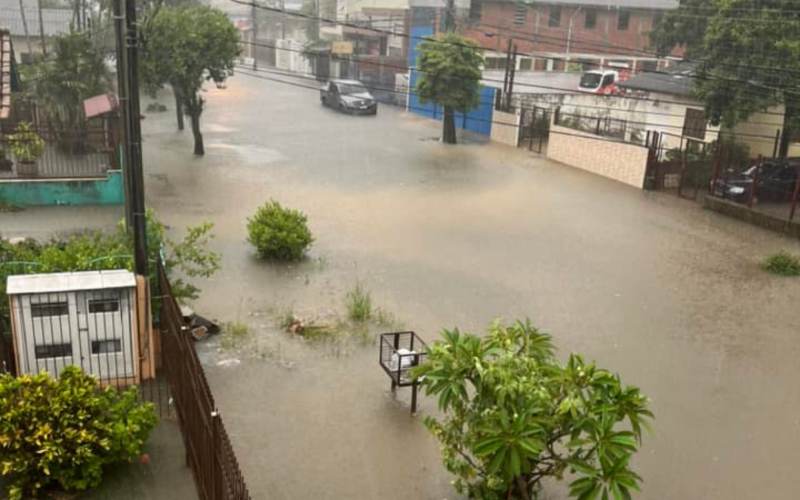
(777, 181)
(350, 96)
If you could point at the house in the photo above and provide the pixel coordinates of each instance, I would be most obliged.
(560, 35)
(54, 22)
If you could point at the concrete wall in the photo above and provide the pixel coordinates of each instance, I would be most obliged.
(615, 160)
(109, 191)
(759, 131)
(741, 212)
(505, 128)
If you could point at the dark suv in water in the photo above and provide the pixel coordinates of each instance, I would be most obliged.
(777, 181)
(350, 96)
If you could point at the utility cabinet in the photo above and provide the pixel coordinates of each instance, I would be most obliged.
(86, 319)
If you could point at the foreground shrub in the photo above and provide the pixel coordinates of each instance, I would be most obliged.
(63, 433)
(511, 416)
(359, 304)
(279, 233)
(783, 263)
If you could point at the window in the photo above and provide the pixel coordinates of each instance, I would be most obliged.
(623, 20)
(520, 13)
(695, 124)
(649, 65)
(53, 351)
(608, 80)
(494, 63)
(49, 309)
(525, 64)
(475, 10)
(103, 306)
(591, 19)
(106, 346)
(555, 16)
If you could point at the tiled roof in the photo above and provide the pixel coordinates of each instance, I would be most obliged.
(5, 74)
(55, 21)
(613, 4)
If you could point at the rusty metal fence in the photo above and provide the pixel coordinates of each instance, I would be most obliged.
(209, 452)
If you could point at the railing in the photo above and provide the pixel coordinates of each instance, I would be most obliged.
(65, 155)
(209, 452)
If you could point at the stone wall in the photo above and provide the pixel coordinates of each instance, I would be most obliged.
(619, 161)
(505, 128)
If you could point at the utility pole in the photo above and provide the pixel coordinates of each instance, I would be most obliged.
(122, 97)
(41, 28)
(512, 75)
(135, 142)
(450, 17)
(254, 31)
(569, 36)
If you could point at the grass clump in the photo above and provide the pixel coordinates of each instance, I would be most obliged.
(359, 304)
(234, 333)
(782, 263)
(279, 233)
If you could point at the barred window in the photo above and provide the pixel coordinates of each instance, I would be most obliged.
(694, 124)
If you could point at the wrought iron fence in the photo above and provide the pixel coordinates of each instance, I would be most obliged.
(64, 154)
(209, 451)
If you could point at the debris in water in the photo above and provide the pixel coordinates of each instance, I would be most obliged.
(229, 362)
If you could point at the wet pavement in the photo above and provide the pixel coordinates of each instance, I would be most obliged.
(668, 294)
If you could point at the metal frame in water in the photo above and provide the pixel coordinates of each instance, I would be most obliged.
(399, 352)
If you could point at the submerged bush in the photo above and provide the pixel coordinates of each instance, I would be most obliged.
(359, 304)
(279, 233)
(63, 433)
(783, 263)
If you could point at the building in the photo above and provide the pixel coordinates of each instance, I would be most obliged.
(54, 22)
(9, 80)
(560, 35)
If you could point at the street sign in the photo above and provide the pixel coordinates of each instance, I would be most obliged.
(342, 47)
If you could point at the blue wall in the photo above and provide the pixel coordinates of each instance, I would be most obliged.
(108, 191)
(477, 120)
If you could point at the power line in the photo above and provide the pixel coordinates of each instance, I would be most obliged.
(310, 76)
(522, 84)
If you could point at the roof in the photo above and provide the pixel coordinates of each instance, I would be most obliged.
(68, 282)
(55, 21)
(676, 80)
(5, 74)
(100, 105)
(613, 4)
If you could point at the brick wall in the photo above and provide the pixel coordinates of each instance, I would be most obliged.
(615, 160)
(505, 128)
(538, 34)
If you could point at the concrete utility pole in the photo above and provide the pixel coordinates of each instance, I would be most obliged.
(25, 28)
(254, 31)
(569, 36)
(450, 17)
(41, 28)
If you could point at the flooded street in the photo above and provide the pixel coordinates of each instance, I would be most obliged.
(653, 287)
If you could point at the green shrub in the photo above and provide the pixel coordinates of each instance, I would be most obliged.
(63, 433)
(279, 233)
(783, 263)
(359, 304)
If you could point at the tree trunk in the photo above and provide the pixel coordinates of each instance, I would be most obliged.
(25, 28)
(198, 137)
(178, 109)
(449, 126)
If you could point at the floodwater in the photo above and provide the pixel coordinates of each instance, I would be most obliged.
(667, 294)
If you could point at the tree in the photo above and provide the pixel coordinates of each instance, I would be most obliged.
(184, 47)
(74, 71)
(514, 416)
(748, 56)
(450, 73)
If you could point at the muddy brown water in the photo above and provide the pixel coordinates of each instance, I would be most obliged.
(651, 286)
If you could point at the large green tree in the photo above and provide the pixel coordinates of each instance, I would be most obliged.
(748, 56)
(514, 416)
(184, 48)
(450, 68)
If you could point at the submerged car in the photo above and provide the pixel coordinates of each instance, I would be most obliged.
(350, 96)
(777, 181)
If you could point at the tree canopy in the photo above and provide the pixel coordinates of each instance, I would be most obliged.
(747, 54)
(450, 68)
(514, 415)
(185, 47)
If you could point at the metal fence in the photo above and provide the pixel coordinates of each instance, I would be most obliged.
(65, 155)
(602, 126)
(209, 452)
(534, 128)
